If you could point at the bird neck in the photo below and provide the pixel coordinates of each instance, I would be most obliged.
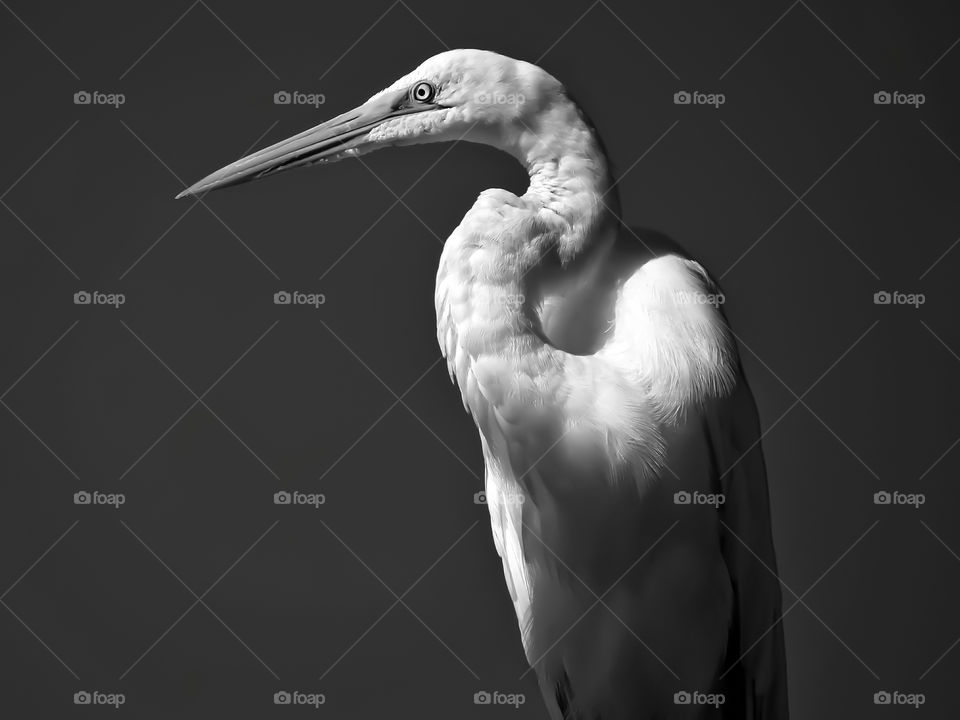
(569, 175)
(565, 221)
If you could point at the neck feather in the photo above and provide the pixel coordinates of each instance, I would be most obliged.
(569, 174)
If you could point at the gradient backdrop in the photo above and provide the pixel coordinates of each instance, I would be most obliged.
(199, 398)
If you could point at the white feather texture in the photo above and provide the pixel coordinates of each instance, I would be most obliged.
(604, 383)
(600, 386)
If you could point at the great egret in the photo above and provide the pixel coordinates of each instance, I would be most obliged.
(624, 478)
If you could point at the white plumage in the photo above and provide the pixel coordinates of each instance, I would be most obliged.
(606, 387)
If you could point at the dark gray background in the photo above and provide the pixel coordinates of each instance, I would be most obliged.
(312, 405)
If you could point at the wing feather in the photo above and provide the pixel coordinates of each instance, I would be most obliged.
(757, 684)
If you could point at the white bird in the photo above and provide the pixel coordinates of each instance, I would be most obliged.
(624, 477)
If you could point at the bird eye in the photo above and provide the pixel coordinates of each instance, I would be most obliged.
(423, 92)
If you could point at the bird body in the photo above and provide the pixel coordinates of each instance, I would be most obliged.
(607, 392)
(576, 449)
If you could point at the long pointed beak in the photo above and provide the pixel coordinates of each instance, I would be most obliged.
(326, 142)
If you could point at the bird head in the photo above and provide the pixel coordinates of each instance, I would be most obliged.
(473, 95)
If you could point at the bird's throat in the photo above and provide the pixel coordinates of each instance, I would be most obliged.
(513, 256)
(569, 175)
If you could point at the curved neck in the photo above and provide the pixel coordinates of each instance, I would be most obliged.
(569, 173)
(504, 256)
